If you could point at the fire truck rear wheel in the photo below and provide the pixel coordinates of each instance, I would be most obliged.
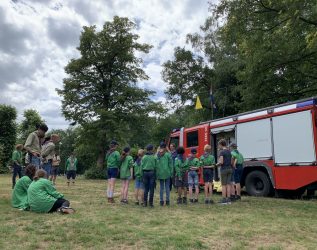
(257, 183)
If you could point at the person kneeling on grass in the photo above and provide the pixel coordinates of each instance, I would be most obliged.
(19, 193)
(126, 169)
(139, 187)
(193, 164)
(43, 197)
(181, 167)
(71, 168)
(164, 173)
(207, 162)
(148, 166)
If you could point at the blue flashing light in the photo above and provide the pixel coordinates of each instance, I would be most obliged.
(304, 104)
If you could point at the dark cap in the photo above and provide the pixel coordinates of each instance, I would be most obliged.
(113, 142)
(149, 147)
(126, 149)
(233, 145)
(162, 145)
(43, 127)
(193, 151)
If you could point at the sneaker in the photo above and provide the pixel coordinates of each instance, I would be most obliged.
(223, 201)
(179, 200)
(137, 203)
(196, 201)
(238, 198)
(151, 205)
(191, 200)
(229, 201)
(184, 200)
(232, 198)
(206, 201)
(167, 203)
(145, 204)
(211, 202)
(162, 203)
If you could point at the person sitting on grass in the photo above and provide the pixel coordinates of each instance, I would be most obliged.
(17, 163)
(181, 167)
(113, 163)
(207, 162)
(237, 164)
(126, 171)
(193, 181)
(19, 193)
(43, 197)
(139, 187)
(164, 173)
(148, 166)
(225, 171)
(71, 168)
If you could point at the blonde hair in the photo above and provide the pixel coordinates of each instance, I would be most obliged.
(207, 147)
(140, 152)
(55, 136)
(19, 147)
(39, 174)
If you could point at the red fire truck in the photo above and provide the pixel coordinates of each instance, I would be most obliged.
(279, 145)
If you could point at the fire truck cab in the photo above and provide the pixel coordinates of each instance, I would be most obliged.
(279, 145)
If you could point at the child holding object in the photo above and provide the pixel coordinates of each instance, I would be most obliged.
(126, 169)
(139, 186)
(181, 167)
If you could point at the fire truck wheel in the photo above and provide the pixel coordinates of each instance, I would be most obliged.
(257, 183)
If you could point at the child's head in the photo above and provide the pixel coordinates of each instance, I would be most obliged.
(126, 150)
(172, 147)
(30, 171)
(233, 146)
(180, 151)
(40, 174)
(149, 148)
(19, 147)
(113, 144)
(140, 152)
(222, 144)
(162, 147)
(207, 148)
(193, 151)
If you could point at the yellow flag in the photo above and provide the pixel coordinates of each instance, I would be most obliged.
(198, 103)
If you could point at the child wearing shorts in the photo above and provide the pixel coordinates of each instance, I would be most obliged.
(113, 163)
(237, 164)
(126, 169)
(71, 168)
(181, 182)
(207, 162)
(193, 164)
(139, 187)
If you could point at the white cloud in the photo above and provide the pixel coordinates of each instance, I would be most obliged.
(39, 37)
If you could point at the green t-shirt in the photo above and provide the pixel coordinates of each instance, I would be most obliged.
(148, 162)
(125, 167)
(181, 166)
(207, 160)
(113, 159)
(193, 162)
(19, 193)
(164, 166)
(17, 156)
(237, 155)
(137, 170)
(42, 195)
(71, 164)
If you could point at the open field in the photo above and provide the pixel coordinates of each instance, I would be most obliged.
(253, 223)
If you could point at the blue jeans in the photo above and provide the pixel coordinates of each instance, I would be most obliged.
(35, 161)
(149, 182)
(165, 184)
(17, 170)
(192, 178)
(47, 167)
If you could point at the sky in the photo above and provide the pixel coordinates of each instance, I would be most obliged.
(39, 37)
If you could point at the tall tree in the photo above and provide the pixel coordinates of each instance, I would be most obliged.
(8, 132)
(100, 89)
(31, 118)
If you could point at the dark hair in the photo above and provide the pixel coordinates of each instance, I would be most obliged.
(193, 151)
(222, 143)
(180, 150)
(173, 144)
(162, 145)
(42, 127)
(39, 174)
(30, 171)
(126, 149)
(149, 147)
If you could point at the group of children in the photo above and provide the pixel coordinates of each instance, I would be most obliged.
(168, 165)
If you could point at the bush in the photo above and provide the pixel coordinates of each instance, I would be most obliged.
(95, 173)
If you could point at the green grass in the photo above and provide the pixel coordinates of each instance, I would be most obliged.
(253, 223)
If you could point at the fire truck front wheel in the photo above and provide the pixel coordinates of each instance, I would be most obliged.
(257, 183)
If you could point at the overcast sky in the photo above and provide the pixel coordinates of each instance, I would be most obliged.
(39, 37)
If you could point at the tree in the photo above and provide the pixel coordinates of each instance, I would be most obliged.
(8, 132)
(28, 125)
(100, 90)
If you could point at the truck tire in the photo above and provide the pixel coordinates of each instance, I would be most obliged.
(257, 183)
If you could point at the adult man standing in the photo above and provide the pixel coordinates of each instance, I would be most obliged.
(48, 152)
(33, 145)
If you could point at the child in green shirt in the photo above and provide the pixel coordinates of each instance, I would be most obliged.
(113, 161)
(17, 163)
(181, 182)
(193, 179)
(126, 169)
(139, 187)
(237, 164)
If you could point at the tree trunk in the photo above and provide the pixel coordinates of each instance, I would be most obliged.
(101, 157)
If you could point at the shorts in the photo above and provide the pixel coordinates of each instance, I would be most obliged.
(112, 173)
(139, 184)
(54, 171)
(237, 173)
(192, 178)
(71, 174)
(208, 174)
(226, 175)
(181, 183)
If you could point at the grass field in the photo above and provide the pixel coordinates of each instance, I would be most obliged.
(253, 223)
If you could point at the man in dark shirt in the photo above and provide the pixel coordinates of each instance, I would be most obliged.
(225, 171)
